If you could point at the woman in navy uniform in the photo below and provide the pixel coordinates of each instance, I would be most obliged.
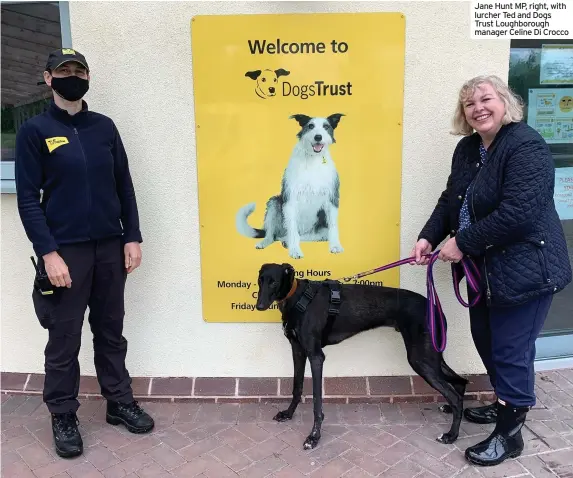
(77, 204)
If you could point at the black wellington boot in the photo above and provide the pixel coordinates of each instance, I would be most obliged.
(67, 438)
(482, 415)
(504, 442)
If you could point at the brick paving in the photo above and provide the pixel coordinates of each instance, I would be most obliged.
(219, 440)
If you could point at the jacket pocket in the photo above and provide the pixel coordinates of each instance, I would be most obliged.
(539, 244)
(46, 307)
(528, 257)
(518, 269)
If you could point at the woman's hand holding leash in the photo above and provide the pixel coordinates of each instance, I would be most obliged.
(450, 252)
(420, 251)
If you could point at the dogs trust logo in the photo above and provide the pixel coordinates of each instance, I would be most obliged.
(267, 81)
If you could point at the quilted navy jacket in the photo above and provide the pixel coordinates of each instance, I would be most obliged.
(516, 232)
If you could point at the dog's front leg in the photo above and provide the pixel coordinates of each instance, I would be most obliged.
(291, 225)
(316, 363)
(333, 236)
(299, 362)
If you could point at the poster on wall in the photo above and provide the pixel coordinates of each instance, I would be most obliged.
(550, 112)
(299, 150)
(556, 64)
(563, 194)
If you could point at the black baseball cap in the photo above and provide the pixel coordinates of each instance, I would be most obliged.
(63, 55)
(59, 57)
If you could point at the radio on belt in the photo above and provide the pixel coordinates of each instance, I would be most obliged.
(41, 282)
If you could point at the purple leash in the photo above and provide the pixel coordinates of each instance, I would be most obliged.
(401, 262)
(433, 308)
(473, 277)
(435, 318)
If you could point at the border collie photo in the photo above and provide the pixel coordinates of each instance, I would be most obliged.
(306, 210)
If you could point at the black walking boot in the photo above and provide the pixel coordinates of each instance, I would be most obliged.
(131, 415)
(67, 438)
(482, 415)
(504, 442)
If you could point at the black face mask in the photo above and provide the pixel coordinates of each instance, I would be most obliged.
(71, 88)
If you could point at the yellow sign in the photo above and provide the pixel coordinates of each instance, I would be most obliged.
(299, 150)
(56, 142)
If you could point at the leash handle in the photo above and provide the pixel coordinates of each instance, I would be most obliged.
(434, 307)
(473, 278)
(435, 314)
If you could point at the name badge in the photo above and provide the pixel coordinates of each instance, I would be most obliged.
(56, 142)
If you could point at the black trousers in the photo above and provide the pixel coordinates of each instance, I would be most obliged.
(505, 340)
(98, 278)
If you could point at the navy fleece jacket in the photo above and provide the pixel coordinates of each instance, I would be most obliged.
(72, 180)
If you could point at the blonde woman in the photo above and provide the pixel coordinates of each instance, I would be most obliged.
(498, 209)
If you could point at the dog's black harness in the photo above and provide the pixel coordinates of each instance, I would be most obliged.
(306, 298)
(333, 309)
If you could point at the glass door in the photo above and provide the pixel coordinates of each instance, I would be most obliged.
(541, 72)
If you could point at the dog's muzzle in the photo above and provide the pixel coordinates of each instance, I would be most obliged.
(262, 307)
(262, 304)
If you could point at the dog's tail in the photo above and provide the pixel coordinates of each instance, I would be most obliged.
(242, 224)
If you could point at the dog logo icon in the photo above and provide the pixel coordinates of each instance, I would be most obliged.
(267, 81)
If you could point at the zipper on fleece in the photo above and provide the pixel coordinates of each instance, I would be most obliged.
(87, 177)
(488, 291)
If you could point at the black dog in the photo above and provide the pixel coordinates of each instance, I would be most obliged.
(320, 313)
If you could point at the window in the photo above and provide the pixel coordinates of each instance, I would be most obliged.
(30, 30)
(541, 72)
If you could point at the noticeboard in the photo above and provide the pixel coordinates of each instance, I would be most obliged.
(550, 112)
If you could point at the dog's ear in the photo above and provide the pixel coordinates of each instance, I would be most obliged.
(288, 269)
(281, 72)
(253, 75)
(334, 119)
(302, 120)
(263, 269)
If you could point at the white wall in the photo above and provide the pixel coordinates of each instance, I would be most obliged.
(140, 56)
